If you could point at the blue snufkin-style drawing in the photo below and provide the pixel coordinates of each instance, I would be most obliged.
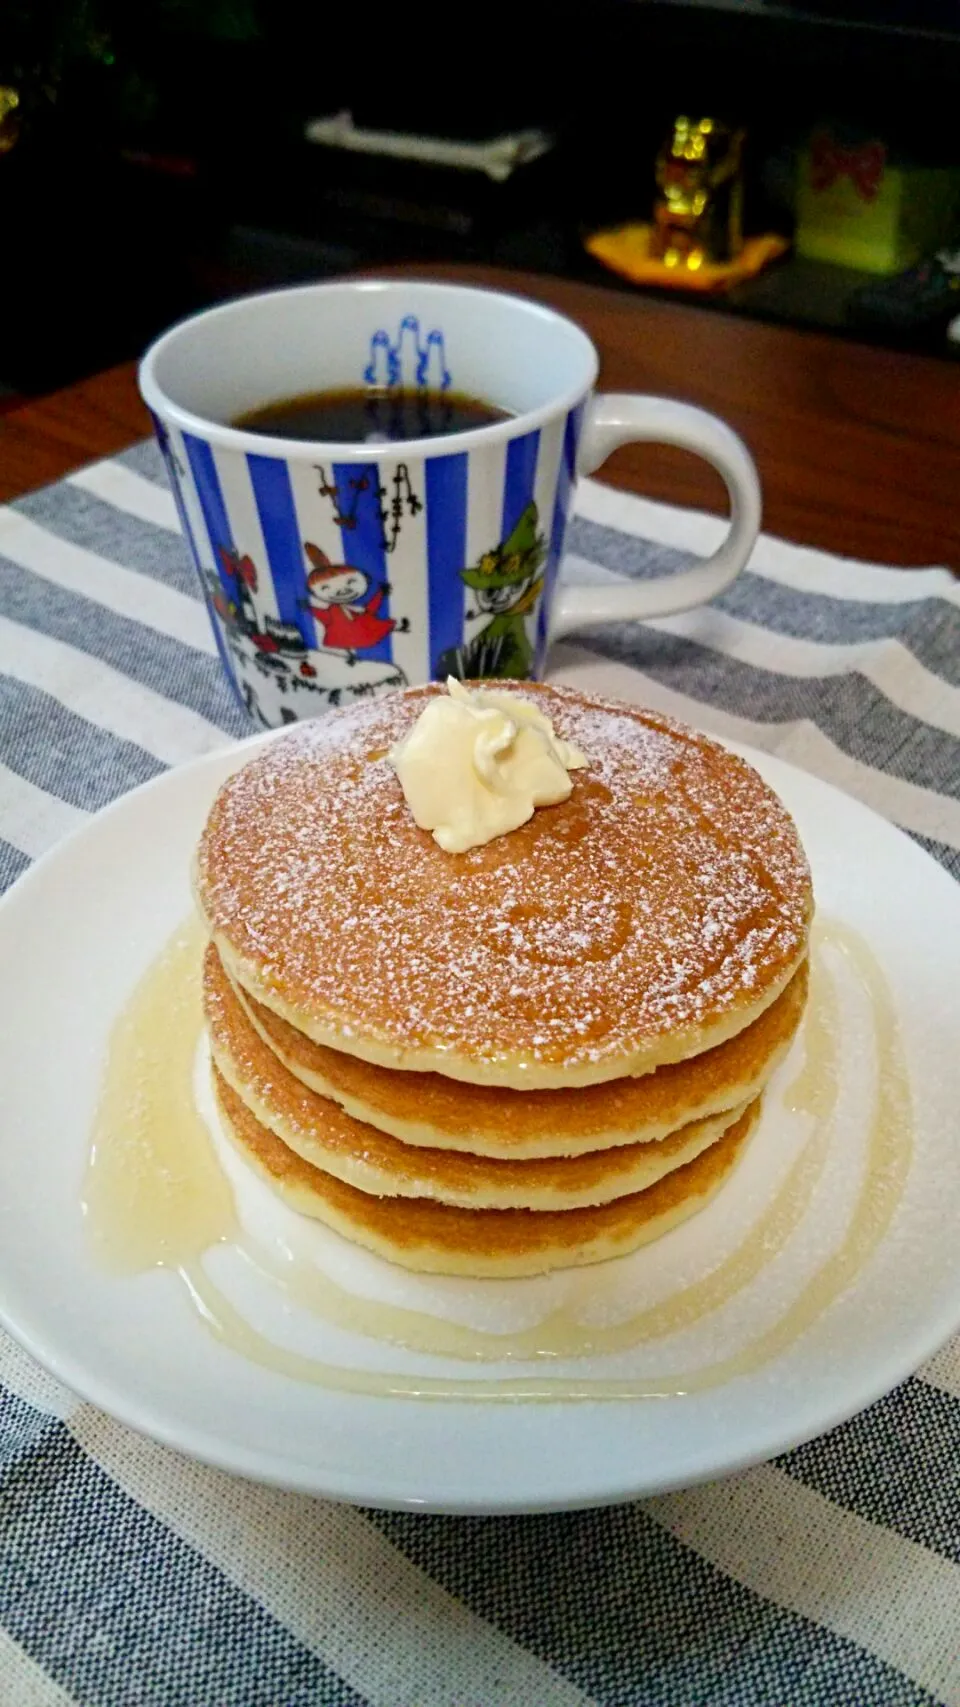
(412, 363)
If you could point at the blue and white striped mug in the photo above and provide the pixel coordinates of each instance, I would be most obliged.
(334, 571)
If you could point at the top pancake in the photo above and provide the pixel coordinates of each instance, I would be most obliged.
(655, 913)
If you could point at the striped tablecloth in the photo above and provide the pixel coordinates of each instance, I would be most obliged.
(131, 1577)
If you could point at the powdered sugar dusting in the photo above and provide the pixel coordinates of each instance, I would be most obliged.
(669, 888)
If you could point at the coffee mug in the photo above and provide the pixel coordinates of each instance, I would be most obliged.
(335, 571)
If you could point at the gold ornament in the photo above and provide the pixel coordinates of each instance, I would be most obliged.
(697, 218)
(9, 118)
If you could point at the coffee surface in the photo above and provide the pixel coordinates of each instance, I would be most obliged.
(367, 416)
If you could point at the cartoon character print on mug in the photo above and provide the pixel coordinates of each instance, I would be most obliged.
(507, 590)
(345, 608)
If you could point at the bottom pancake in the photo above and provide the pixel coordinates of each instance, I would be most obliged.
(437, 1238)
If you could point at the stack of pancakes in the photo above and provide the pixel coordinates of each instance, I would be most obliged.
(540, 1053)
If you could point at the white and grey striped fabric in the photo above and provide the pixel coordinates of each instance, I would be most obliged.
(131, 1577)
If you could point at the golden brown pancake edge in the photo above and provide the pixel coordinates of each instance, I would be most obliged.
(437, 1238)
(432, 1110)
(321, 1133)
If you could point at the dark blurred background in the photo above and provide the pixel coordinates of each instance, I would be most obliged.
(155, 152)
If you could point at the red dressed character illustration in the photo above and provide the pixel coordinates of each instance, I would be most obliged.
(337, 592)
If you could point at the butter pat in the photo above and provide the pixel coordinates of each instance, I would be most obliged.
(477, 763)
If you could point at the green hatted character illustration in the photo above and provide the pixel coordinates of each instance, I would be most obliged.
(507, 586)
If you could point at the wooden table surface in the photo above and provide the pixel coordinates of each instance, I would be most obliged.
(858, 449)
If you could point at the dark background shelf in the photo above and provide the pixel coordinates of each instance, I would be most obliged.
(937, 19)
(137, 216)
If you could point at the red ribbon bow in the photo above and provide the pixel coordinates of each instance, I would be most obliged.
(829, 160)
(244, 567)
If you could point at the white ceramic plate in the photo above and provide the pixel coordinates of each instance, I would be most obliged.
(78, 932)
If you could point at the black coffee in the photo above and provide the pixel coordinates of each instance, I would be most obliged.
(368, 416)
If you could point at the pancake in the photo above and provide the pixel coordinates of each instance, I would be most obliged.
(427, 1108)
(436, 1238)
(322, 1134)
(655, 913)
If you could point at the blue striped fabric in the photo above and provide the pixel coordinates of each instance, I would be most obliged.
(668, 1638)
(130, 1577)
(12, 863)
(178, 1630)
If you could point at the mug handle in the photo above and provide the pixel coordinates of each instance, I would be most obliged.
(622, 418)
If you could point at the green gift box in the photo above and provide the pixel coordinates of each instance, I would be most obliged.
(859, 208)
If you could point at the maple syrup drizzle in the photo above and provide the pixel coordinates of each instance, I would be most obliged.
(156, 1195)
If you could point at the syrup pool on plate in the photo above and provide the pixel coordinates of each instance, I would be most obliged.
(157, 1195)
